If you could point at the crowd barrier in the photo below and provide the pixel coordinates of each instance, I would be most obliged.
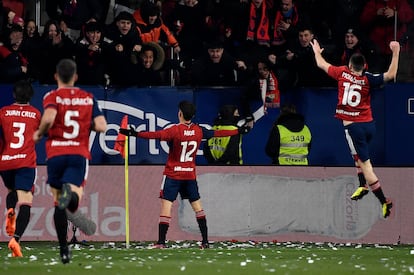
(260, 203)
(155, 108)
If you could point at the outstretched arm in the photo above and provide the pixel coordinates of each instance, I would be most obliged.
(393, 68)
(320, 61)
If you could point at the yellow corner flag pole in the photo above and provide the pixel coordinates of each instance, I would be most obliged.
(126, 194)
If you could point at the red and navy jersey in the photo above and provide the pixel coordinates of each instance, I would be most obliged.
(69, 134)
(354, 93)
(183, 140)
(18, 123)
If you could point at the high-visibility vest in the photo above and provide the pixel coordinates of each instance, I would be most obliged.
(294, 146)
(218, 145)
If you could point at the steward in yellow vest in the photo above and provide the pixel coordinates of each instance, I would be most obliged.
(290, 139)
(224, 150)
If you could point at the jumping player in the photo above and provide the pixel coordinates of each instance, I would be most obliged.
(354, 109)
(18, 122)
(184, 140)
(70, 113)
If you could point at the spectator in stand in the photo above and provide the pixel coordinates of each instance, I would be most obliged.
(13, 65)
(125, 45)
(225, 150)
(318, 17)
(378, 17)
(91, 53)
(189, 29)
(258, 29)
(263, 90)
(346, 13)
(285, 25)
(75, 13)
(152, 58)
(55, 46)
(258, 36)
(9, 15)
(289, 140)
(151, 27)
(217, 68)
(74, 36)
(31, 46)
(354, 43)
(300, 61)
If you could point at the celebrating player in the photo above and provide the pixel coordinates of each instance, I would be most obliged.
(70, 113)
(354, 109)
(18, 122)
(184, 139)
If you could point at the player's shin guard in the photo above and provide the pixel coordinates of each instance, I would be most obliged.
(377, 190)
(11, 199)
(22, 220)
(202, 224)
(164, 224)
(61, 225)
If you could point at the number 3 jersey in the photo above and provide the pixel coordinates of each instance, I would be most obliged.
(354, 98)
(69, 134)
(18, 123)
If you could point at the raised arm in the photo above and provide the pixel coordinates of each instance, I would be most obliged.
(320, 61)
(393, 68)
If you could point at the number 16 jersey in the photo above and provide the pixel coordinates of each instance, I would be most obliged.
(354, 93)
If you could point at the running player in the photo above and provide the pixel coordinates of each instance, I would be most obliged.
(184, 140)
(354, 109)
(18, 122)
(70, 113)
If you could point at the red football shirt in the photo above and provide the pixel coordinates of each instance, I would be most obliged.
(183, 140)
(76, 110)
(354, 93)
(18, 123)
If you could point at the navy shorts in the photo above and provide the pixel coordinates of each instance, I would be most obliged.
(170, 188)
(66, 169)
(19, 179)
(359, 135)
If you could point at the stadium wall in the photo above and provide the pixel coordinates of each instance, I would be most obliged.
(260, 203)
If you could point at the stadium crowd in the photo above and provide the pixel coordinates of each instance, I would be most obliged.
(203, 42)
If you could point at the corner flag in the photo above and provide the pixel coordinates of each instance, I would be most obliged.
(120, 139)
(121, 145)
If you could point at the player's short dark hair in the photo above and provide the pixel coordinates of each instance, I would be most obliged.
(188, 109)
(358, 61)
(22, 91)
(66, 69)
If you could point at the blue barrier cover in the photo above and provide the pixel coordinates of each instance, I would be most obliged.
(156, 108)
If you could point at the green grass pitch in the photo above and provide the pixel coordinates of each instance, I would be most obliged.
(225, 258)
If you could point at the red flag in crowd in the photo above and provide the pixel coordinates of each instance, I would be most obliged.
(120, 139)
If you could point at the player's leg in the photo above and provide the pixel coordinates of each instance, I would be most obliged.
(168, 193)
(202, 222)
(375, 187)
(194, 198)
(73, 178)
(355, 138)
(61, 225)
(11, 200)
(164, 222)
(362, 189)
(25, 199)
